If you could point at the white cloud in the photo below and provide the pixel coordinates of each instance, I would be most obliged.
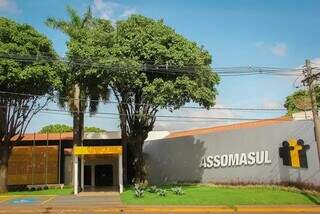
(128, 12)
(278, 49)
(315, 62)
(105, 9)
(9, 6)
(111, 10)
(170, 124)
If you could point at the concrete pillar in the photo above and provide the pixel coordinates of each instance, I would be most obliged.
(75, 175)
(120, 174)
(82, 172)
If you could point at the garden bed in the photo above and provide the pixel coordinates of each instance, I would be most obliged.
(223, 195)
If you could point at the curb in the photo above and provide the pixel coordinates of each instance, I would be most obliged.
(163, 209)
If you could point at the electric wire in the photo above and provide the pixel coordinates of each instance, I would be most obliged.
(144, 104)
(162, 68)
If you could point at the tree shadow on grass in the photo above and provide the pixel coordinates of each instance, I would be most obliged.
(313, 198)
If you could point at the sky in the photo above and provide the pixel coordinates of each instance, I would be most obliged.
(273, 33)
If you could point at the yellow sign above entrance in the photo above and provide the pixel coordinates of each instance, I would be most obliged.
(97, 150)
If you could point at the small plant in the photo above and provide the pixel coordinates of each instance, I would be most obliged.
(139, 190)
(162, 192)
(177, 190)
(139, 186)
(153, 189)
(139, 193)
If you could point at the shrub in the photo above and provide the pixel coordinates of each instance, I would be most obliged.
(139, 193)
(153, 189)
(139, 190)
(162, 192)
(177, 190)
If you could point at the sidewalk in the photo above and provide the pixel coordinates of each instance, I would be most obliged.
(112, 204)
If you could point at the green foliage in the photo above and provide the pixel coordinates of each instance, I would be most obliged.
(153, 189)
(162, 192)
(23, 41)
(93, 129)
(300, 96)
(139, 190)
(177, 190)
(60, 128)
(56, 128)
(24, 69)
(143, 39)
(89, 40)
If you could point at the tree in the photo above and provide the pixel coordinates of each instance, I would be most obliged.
(155, 68)
(81, 85)
(300, 101)
(56, 128)
(60, 128)
(24, 69)
(93, 129)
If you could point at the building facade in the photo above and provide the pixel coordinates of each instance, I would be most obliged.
(267, 151)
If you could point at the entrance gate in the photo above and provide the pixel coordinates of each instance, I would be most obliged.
(103, 174)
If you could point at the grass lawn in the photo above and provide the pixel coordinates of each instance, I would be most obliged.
(224, 195)
(64, 191)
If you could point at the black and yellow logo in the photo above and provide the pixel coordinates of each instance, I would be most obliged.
(294, 153)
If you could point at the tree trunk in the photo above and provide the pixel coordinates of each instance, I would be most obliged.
(4, 157)
(124, 142)
(139, 164)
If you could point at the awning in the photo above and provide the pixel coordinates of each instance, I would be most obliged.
(97, 150)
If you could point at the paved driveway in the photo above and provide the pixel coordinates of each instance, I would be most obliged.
(58, 201)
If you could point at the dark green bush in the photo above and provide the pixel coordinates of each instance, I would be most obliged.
(162, 192)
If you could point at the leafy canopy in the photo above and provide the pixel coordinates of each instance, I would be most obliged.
(300, 101)
(83, 55)
(140, 39)
(19, 42)
(60, 128)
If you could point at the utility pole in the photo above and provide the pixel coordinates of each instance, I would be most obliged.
(310, 81)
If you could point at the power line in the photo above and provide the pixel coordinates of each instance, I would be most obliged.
(216, 120)
(158, 116)
(144, 104)
(181, 118)
(160, 68)
(48, 57)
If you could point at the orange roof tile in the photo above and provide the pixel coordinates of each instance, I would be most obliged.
(50, 136)
(252, 124)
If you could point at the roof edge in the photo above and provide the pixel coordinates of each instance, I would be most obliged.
(214, 129)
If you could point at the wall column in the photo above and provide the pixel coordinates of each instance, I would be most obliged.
(75, 175)
(82, 172)
(120, 173)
